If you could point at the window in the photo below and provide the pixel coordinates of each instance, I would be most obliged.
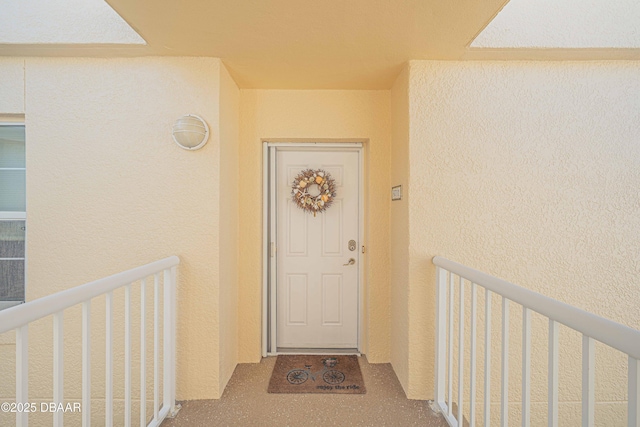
(12, 214)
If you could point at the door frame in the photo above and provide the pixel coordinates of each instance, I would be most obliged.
(269, 254)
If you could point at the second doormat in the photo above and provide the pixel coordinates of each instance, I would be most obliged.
(317, 374)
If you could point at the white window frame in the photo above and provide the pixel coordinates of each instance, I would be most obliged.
(15, 216)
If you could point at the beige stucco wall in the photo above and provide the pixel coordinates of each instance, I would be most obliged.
(399, 229)
(316, 115)
(72, 22)
(108, 190)
(525, 170)
(12, 86)
(228, 225)
(586, 24)
(529, 171)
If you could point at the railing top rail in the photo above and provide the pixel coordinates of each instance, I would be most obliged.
(23, 314)
(613, 334)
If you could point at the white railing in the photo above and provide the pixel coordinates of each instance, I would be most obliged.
(592, 328)
(18, 318)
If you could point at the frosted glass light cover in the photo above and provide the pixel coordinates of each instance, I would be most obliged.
(190, 132)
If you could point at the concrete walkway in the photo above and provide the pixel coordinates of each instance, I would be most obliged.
(245, 402)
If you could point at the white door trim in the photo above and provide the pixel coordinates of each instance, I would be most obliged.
(269, 329)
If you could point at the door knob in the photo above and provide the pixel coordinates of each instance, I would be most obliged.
(350, 262)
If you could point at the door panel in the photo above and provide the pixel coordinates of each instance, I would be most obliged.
(296, 230)
(317, 294)
(297, 291)
(332, 299)
(332, 238)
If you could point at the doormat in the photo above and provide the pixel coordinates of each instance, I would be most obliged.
(317, 374)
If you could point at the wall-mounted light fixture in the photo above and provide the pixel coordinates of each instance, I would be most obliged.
(190, 132)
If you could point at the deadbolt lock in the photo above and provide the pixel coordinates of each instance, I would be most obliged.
(352, 245)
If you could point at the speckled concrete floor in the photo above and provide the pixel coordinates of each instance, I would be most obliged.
(245, 402)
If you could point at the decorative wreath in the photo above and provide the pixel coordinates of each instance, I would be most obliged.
(313, 190)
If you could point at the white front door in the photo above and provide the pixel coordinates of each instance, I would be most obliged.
(317, 286)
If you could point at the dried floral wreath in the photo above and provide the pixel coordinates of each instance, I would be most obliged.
(313, 190)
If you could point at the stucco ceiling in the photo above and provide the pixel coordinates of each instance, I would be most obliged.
(310, 44)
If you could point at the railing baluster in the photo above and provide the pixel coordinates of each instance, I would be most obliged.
(441, 315)
(127, 355)
(472, 369)
(461, 351)
(86, 363)
(108, 369)
(58, 366)
(526, 367)
(633, 412)
(487, 357)
(174, 326)
(450, 372)
(156, 345)
(166, 330)
(169, 392)
(22, 374)
(553, 373)
(504, 398)
(143, 353)
(588, 381)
